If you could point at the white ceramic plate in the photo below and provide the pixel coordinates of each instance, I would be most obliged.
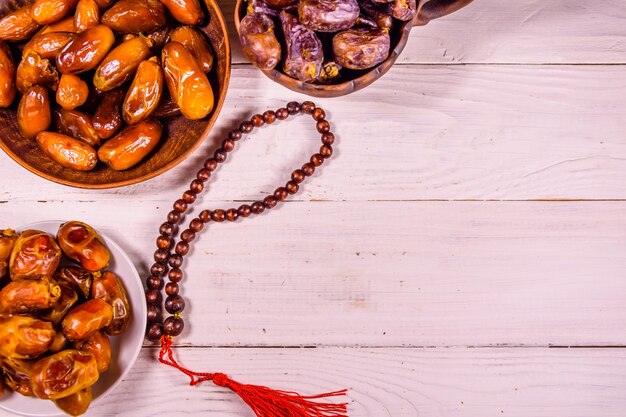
(124, 348)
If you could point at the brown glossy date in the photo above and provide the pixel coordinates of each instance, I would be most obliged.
(361, 48)
(258, 40)
(34, 70)
(328, 15)
(33, 112)
(144, 93)
(63, 374)
(99, 346)
(77, 403)
(380, 12)
(131, 145)
(403, 9)
(28, 295)
(67, 300)
(35, 254)
(76, 124)
(67, 151)
(167, 108)
(86, 319)
(59, 343)
(86, 51)
(187, 84)
(120, 64)
(48, 45)
(7, 243)
(107, 120)
(109, 288)
(134, 16)
(187, 12)
(72, 92)
(87, 15)
(304, 55)
(23, 337)
(195, 42)
(159, 37)
(50, 11)
(80, 279)
(81, 243)
(18, 25)
(7, 76)
(64, 25)
(17, 375)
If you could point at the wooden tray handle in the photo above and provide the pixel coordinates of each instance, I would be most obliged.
(433, 9)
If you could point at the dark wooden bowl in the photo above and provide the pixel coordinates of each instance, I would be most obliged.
(356, 80)
(180, 138)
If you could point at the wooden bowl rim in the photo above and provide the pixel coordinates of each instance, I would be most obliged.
(214, 115)
(334, 90)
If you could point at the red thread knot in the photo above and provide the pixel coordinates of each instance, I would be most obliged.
(220, 379)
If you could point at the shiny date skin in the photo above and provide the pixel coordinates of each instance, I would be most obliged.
(187, 12)
(63, 374)
(167, 108)
(8, 237)
(77, 403)
(69, 152)
(83, 244)
(131, 145)
(76, 124)
(80, 279)
(63, 25)
(8, 90)
(99, 346)
(49, 44)
(87, 15)
(304, 54)
(109, 288)
(257, 34)
(144, 93)
(34, 70)
(23, 337)
(195, 42)
(33, 112)
(86, 319)
(18, 25)
(107, 120)
(28, 295)
(404, 10)
(134, 16)
(67, 300)
(35, 254)
(360, 49)
(86, 51)
(17, 375)
(328, 15)
(50, 11)
(380, 12)
(187, 83)
(71, 92)
(121, 63)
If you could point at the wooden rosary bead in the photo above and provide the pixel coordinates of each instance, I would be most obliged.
(160, 255)
(173, 326)
(257, 207)
(220, 155)
(205, 216)
(328, 138)
(155, 332)
(174, 304)
(173, 217)
(158, 269)
(308, 169)
(307, 107)
(293, 107)
(163, 242)
(196, 186)
(153, 312)
(180, 206)
(175, 260)
(317, 159)
(326, 151)
(189, 197)
(292, 187)
(228, 145)
(166, 229)
(152, 296)
(187, 235)
(182, 248)
(232, 215)
(323, 126)
(235, 134)
(282, 113)
(196, 225)
(175, 275)
(218, 215)
(210, 164)
(171, 288)
(257, 120)
(244, 210)
(270, 202)
(318, 114)
(154, 283)
(246, 127)
(269, 116)
(281, 194)
(203, 175)
(297, 176)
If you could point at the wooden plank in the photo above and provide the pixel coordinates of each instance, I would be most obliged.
(389, 273)
(523, 31)
(422, 132)
(388, 382)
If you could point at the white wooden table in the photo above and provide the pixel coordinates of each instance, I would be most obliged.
(463, 254)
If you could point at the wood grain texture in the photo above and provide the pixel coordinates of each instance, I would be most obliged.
(523, 31)
(421, 132)
(390, 273)
(389, 382)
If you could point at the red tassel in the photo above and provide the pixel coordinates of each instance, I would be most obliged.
(265, 402)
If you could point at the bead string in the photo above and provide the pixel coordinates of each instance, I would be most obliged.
(170, 263)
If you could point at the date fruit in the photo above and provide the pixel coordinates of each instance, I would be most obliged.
(34, 70)
(109, 288)
(144, 93)
(86, 319)
(87, 15)
(86, 51)
(35, 254)
(67, 151)
(360, 49)
(131, 145)
(195, 42)
(77, 403)
(66, 301)
(18, 25)
(63, 374)
(50, 11)
(28, 295)
(72, 92)
(7, 76)
(107, 120)
(120, 64)
(404, 10)
(328, 15)
(49, 44)
(81, 243)
(134, 16)
(76, 124)
(187, 12)
(258, 40)
(17, 375)
(7, 243)
(80, 279)
(304, 56)
(33, 112)
(64, 25)
(99, 346)
(23, 337)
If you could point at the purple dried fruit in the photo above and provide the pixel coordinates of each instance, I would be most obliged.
(258, 40)
(328, 15)
(362, 48)
(304, 56)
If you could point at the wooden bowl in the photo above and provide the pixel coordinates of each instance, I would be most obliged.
(356, 80)
(180, 138)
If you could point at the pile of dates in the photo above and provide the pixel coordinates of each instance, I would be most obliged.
(92, 75)
(58, 307)
(316, 39)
